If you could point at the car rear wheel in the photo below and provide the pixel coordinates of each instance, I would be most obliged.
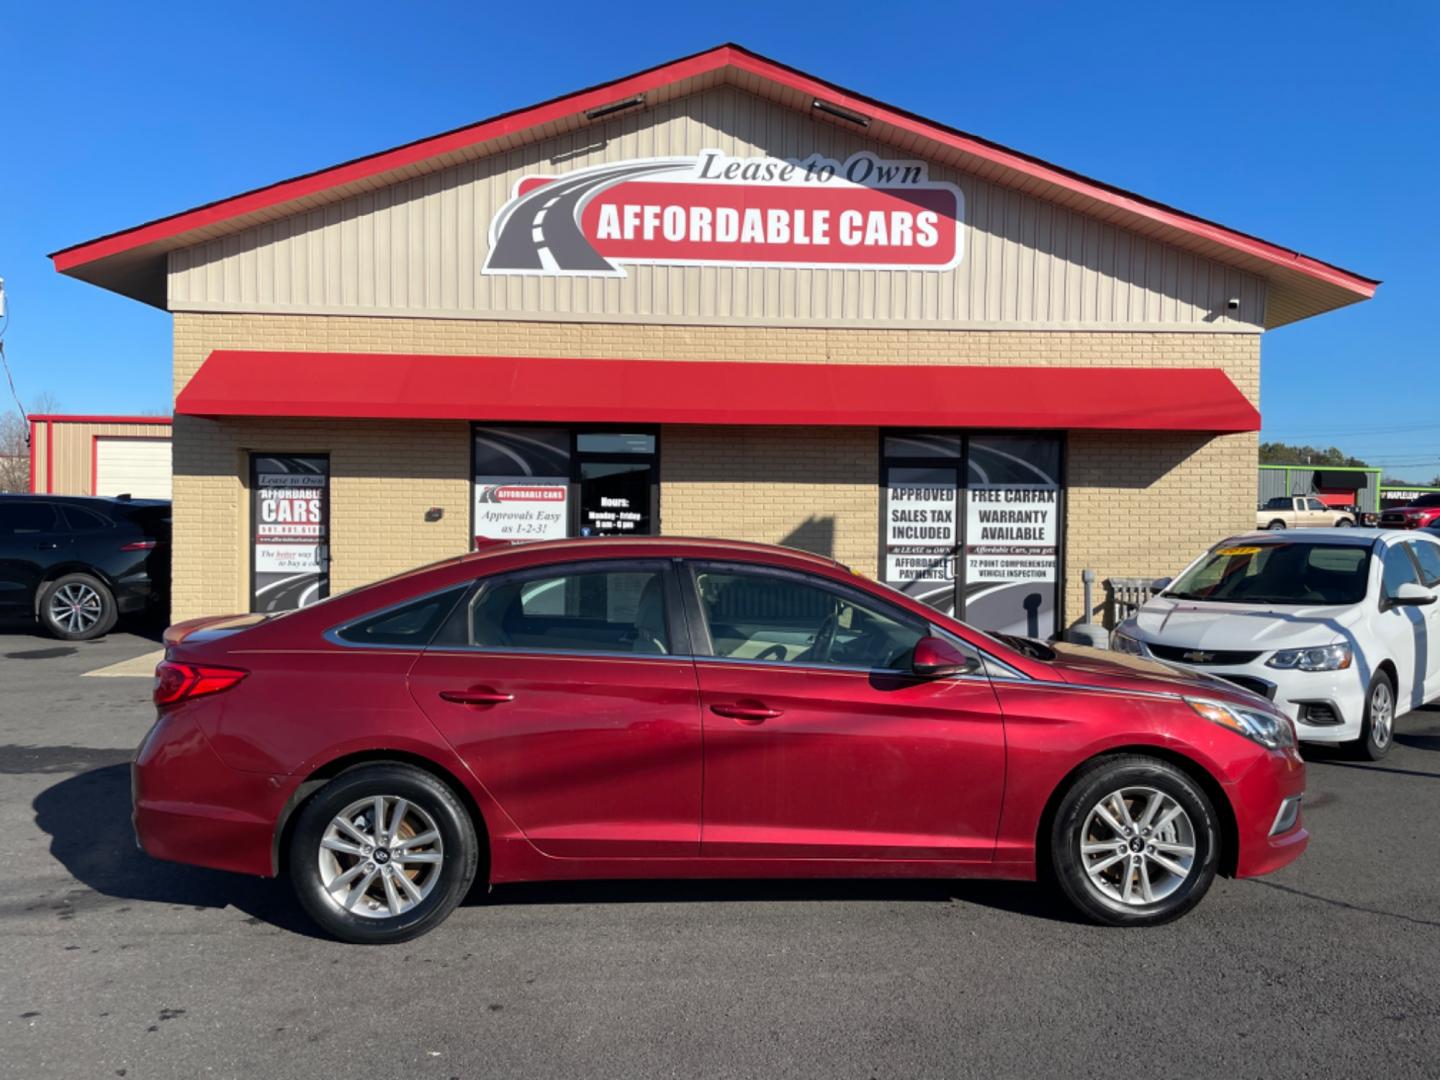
(1377, 732)
(382, 854)
(77, 607)
(1134, 842)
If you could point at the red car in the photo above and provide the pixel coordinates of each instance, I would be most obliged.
(691, 708)
(1419, 513)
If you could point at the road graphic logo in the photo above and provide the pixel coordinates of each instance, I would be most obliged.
(710, 209)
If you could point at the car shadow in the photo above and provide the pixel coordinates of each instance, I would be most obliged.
(87, 817)
(150, 627)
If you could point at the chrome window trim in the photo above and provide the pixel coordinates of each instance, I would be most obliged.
(518, 650)
(333, 637)
(995, 668)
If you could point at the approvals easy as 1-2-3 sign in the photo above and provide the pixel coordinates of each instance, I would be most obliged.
(712, 209)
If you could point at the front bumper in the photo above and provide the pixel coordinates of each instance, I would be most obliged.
(190, 807)
(1268, 836)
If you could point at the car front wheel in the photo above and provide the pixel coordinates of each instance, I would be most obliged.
(1377, 731)
(1134, 842)
(1276, 524)
(382, 854)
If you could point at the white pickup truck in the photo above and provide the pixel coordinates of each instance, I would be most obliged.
(1301, 512)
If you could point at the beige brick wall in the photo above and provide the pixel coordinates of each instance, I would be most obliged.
(1139, 504)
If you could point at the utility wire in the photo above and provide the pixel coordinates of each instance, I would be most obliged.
(9, 378)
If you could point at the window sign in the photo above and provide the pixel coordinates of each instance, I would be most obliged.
(1012, 533)
(290, 520)
(615, 498)
(522, 483)
(921, 532)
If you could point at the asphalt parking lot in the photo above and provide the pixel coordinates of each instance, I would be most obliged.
(115, 965)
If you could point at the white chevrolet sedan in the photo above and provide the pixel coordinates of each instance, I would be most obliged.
(1340, 629)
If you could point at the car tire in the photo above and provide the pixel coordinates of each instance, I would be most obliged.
(327, 879)
(76, 607)
(1114, 879)
(1276, 524)
(1344, 523)
(1377, 730)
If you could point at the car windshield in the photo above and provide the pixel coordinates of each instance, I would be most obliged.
(1278, 573)
(1426, 500)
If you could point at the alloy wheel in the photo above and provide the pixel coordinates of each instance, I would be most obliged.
(1382, 714)
(1137, 846)
(380, 857)
(76, 607)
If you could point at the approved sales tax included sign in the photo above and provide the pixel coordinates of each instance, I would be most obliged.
(714, 210)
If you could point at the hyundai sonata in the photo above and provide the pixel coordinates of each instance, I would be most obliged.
(691, 708)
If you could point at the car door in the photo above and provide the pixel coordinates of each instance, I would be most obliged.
(1427, 555)
(1316, 514)
(1403, 631)
(570, 693)
(31, 538)
(819, 742)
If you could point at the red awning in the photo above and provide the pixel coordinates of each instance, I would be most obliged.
(512, 388)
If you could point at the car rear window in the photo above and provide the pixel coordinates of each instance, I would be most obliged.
(82, 520)
(153, 519)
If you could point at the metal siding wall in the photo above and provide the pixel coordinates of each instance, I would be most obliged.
(1271, 485)
(417, 247)
(74, 449)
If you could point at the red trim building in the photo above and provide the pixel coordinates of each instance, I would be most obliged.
(719, 296)
(73, 454)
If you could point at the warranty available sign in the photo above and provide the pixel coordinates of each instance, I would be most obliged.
(714, 210)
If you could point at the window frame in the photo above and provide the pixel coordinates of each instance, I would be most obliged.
(676, 624)
(705, 647)
(58, 524)
(1416, 546)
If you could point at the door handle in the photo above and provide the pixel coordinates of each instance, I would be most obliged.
(747, 712)
(46, 547)
(480, 695)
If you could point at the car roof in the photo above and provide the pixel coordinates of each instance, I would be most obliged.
(668, 545)
(1358, 537)
(109, 500)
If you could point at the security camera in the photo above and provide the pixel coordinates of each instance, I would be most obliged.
(1233, 303)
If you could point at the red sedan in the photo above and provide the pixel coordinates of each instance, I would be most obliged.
(691, 708)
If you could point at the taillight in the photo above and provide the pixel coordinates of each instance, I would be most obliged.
(175, 681)
(139, 545)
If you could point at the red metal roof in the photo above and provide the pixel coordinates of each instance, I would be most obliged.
(128, 249)
(508, 388)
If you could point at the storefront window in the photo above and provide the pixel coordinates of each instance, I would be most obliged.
(986, 548)
(540, 483)
(290, 530)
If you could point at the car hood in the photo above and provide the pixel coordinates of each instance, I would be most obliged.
(1084, 665)
(1195, 624)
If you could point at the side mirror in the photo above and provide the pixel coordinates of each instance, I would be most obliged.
(1410, 595)
(936, 658)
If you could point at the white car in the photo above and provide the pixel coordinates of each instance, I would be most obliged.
(1340, 629)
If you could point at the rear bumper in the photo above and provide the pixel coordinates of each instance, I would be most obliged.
(189, 807)
(1259, 797)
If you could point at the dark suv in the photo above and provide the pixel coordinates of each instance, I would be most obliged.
(77, 563)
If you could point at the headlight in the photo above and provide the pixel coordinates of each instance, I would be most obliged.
(1268, 729)
(1124, 643)
(1325, 658)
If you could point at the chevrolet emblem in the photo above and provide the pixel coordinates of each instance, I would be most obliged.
(1196, 657)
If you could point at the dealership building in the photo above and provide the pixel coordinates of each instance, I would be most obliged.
(720, 297)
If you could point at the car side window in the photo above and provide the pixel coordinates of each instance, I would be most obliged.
(408, 625)
(1399, 569)
(81, 520)
(784, 619)
(591, 610)
(1314, 504)
(26, 516)
(1428, 556)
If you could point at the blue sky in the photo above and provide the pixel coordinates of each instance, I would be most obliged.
(1313, 125)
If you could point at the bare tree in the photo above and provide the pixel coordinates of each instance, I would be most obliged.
(14, 443)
